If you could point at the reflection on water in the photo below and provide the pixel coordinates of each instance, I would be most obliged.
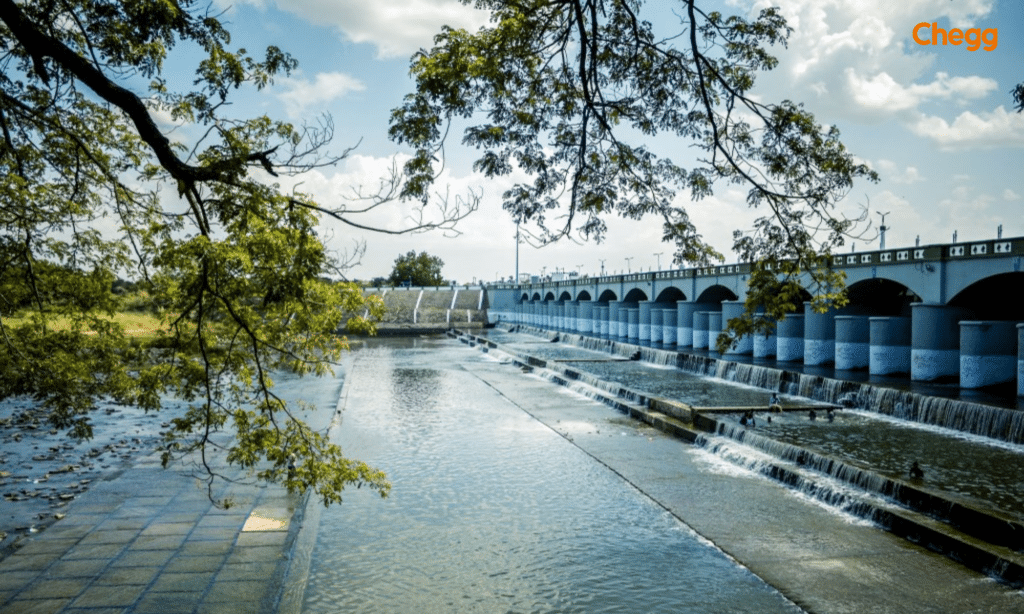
(493, 512)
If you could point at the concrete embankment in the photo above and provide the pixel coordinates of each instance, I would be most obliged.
(414, 311)
(982, 540)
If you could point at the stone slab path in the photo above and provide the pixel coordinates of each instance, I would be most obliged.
(151, 541)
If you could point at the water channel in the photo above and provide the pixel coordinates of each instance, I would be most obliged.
(494, 512)
(584, 510)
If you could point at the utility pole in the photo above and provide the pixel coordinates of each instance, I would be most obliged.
(602, 266)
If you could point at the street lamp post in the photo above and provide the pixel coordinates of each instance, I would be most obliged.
(658, 255)
(881, 229)
(517, 253)
(628, 270)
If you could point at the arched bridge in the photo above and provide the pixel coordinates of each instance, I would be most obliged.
(933, 312)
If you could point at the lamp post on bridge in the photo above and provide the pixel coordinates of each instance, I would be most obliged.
(881, 229)
(658, 256)
(628, 270)
(517, 253)
(602, 266)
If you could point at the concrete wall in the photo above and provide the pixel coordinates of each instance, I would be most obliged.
(431, 308)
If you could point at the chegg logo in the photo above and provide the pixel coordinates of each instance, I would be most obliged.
(974, 37)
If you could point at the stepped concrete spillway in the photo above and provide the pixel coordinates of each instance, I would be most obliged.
(974, 519)
(430, 309)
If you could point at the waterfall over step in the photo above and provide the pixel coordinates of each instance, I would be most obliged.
(976, 418)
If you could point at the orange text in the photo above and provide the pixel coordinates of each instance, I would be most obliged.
(974, 37)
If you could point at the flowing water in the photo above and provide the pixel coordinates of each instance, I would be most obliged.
(970, 453)
(492, 511)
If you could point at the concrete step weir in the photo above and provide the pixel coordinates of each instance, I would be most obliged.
(986, 540)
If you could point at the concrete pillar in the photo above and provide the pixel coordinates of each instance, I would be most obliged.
(601, 321)
(586, 322)
(613, 319)
(700, 329)
(685, 311)
(730, 310)
(1020, 360)
(633, 325)
(656, 327)
(623, 328)
(935, 340)
(670, 334)
(560, 318)
(714, 328)
(766, 345)
(644, 322)
(988, 353)
(890, 345)
(853, 342)
(819, 336)
(790, 339)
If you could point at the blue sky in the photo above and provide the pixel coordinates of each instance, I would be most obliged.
(936, 122)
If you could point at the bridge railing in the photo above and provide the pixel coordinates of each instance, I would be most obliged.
(991, 248)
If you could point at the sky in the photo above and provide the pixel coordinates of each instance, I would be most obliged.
(936, 122)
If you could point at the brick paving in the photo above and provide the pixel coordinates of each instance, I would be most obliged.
(150, 540)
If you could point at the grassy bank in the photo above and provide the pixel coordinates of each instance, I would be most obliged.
(135, 324)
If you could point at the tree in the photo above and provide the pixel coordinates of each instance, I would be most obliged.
(571, 92)
(1018, 97)
(417, 270)
(233, 265)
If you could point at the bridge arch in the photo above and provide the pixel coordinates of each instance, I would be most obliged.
(991, 298)
(881, 297)
(550, 296)
(717, 294)
(670, 295)
(535, 297)
(583, 296)
(607, 295)
(565, 296)
(635, 296)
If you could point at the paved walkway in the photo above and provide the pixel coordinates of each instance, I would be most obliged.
(150, 540)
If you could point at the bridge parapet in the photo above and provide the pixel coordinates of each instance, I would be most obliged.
(928, 256)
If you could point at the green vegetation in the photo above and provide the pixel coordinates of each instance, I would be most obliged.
(417, 270)
(574, 92)
(236, 276)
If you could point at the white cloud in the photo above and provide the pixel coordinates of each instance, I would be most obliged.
(890, 171)
(858, 59)
(1010, 195)
(398, 28)
(326, 87)
(882, 92)
(973, 131)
